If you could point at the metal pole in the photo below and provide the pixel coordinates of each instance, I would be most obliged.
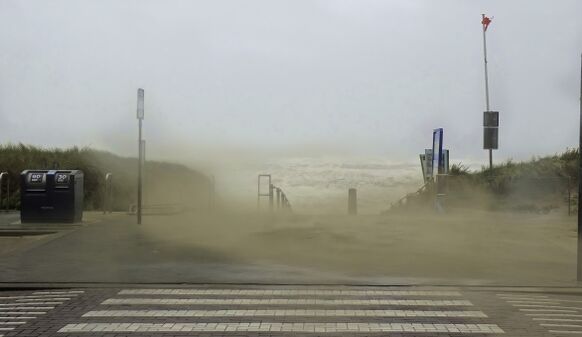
(144, 175)
(140, 116)
(8, 195)
(579, 257)
(259, 192)
(139, 173)
(212, 192)
(569, 196)
(271, 197)
(105, 196)
(486, 83)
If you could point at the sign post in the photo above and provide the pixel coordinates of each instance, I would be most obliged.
(140, 115)
(438, 168)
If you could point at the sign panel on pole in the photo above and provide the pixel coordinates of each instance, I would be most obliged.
(437, 151)
(490, 130)
(140, 97)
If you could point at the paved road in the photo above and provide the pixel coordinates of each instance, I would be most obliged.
(298, 250)
(238, 310)
(113, 250)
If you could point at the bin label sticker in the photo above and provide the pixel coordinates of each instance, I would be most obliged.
(36, 178)
(62, 178)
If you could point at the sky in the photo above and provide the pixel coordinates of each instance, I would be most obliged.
(361, 77)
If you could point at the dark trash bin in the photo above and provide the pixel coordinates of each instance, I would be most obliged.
(51, 196)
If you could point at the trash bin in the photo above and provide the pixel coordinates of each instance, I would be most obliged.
(51, 196)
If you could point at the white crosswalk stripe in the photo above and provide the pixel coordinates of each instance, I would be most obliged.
(29, 303)
(288, 292)
(276, 310)
(58, 292)
(18, 309)
(25, 308)
(33, 300)
(284, 327)
(282, 313)
(550, 312)
(39, 297)
(280, 301)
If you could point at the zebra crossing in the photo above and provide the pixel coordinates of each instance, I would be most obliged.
(276, 310)
(17, 310)
(557, 314)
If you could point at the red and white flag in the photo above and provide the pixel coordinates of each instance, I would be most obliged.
(485, 22)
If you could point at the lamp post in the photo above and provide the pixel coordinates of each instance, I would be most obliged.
(579, 256)
(140, 114)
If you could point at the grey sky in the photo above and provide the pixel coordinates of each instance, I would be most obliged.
(373, 77)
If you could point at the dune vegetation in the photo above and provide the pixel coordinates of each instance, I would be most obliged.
(164, 182)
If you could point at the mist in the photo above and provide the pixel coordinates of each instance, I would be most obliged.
(366, 79)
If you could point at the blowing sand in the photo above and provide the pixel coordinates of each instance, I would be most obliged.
(465, 246)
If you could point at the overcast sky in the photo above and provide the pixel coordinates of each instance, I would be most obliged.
(372, 77)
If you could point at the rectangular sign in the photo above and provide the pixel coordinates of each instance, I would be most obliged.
(446, 161)
(491, 118)
(490, 138)
(140, 98)
(437, 151)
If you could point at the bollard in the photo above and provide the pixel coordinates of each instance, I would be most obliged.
(2, 175)
(352, 201)
(211, 192)
(107, 195)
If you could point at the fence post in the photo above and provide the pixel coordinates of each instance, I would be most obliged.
(2, 175)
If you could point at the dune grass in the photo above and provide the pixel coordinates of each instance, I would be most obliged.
(170, 179)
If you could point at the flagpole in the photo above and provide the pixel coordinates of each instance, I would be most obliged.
(486, 81)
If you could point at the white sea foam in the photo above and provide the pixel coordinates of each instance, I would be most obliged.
(320, 184)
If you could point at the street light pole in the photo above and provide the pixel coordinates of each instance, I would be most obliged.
(579, 257)
(140, 115)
